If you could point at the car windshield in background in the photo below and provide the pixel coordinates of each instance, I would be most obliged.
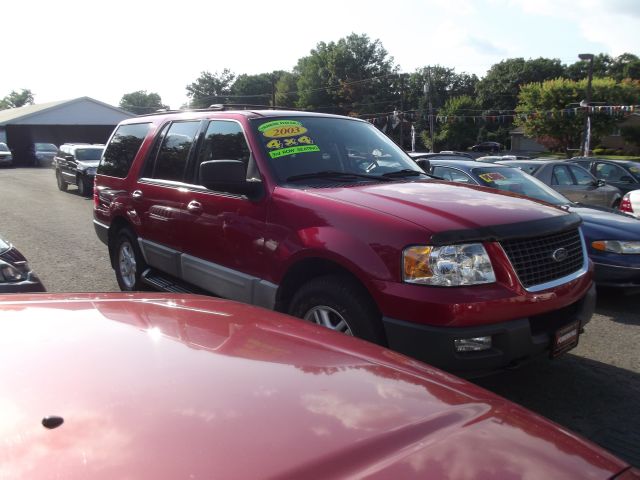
(3, 147)
(46, 147)
(515, 181)
(89, 153)
(321, 149)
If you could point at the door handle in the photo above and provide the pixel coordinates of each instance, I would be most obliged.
(137, 194)
(194, 207)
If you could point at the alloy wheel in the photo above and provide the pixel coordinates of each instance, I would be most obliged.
(329, 318)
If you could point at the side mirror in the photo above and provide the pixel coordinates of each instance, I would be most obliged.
(229, 176)
(600, 183)
(424, 164)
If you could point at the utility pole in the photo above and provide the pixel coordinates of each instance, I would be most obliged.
(587, 121)
(427, 92)
(273, 90)
(401, 110)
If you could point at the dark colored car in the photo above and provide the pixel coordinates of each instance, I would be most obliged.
(623, 174)
(76, 164)
(157, 386)
(42, 154)
(6, 157)
(571, 180)
(487, 147)
(612, 238)
(325, 218)
(15, 274)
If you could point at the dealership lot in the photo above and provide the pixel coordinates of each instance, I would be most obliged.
(594, 390)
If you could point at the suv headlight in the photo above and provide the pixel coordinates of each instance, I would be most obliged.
(447, 266)
(617, 246)
(9, 273)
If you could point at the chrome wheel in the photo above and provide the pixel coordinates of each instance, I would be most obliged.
(329, 318)
(127, 265)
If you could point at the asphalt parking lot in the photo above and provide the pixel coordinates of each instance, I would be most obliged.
(594, 390)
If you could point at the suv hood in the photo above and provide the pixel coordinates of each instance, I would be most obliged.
(156, 386)
(88, 163)
(441, 206)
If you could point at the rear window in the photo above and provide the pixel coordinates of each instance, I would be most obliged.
(88, 153)
(122, 149)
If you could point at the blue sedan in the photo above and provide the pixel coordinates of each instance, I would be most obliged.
(612, 238)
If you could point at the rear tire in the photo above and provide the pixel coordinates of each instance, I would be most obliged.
(341, 304)
(62, 185)
(129, 262)
(83, 187)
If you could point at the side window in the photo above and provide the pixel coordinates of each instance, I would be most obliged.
(174, 151)
(122, 149)
(581, 175)
(442, 172)
(611, 173)
(223, 141)
(561, 176)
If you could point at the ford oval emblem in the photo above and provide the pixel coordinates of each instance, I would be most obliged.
(560, 255)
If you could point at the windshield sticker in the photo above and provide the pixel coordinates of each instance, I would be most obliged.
(492, 177)
(282, 129)
(293, 150)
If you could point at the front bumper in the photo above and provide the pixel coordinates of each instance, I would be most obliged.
(513, 341)
(608, 275)
(31, 285)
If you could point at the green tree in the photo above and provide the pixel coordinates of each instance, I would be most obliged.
(549, 110)
(623, 66)
(210, 88)
(17, 99)
(349, 76)
(459, 131)
(141, 102)
(498, 90)
(255, 89)
(287, 90)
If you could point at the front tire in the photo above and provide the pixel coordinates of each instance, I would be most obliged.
(340, 304)
(129, 262)
(62, 185)
(83, 187)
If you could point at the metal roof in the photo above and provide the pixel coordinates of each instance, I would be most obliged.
(29, 113)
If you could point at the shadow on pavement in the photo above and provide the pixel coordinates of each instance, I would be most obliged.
(619, 307)
(596, 400)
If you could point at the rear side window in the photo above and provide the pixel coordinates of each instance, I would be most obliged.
(122, 149)
(582, 177)
(174, 151)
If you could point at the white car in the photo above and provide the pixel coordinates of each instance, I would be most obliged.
(631, 203)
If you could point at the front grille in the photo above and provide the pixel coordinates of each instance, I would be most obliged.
(533, 258)
(12, 256)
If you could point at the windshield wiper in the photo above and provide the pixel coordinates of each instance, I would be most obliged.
(335, 174)
(405, 172)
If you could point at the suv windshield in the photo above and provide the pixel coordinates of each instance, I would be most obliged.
(46, 147)
(89, 153)
(323, 149)
(516, 181)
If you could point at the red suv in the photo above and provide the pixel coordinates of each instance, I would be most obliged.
(325, 218)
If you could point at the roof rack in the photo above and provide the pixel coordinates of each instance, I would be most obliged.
(218, 107)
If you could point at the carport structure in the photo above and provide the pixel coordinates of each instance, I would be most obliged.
(81, 120)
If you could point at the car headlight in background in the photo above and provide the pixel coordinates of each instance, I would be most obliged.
(447, 266)
(617, 246)
(9, 273)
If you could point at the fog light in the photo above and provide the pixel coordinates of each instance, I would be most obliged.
(476, 344)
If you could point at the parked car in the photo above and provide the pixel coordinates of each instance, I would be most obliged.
(159, 386)
(42, 154)
(15, 273)
(487, 147)
(495, 158)
(630, 203)
(325, 218)
(6, 157)
(612, 239)
(623, 174)
(571, 180)
(76, 164)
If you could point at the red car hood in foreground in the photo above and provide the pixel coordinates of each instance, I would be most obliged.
(158, 387)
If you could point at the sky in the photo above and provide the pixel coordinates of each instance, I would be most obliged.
(67, 49)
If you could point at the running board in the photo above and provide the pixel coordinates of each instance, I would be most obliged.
(164, 283)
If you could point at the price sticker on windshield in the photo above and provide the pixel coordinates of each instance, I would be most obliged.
(282, 129)
(492, 177)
